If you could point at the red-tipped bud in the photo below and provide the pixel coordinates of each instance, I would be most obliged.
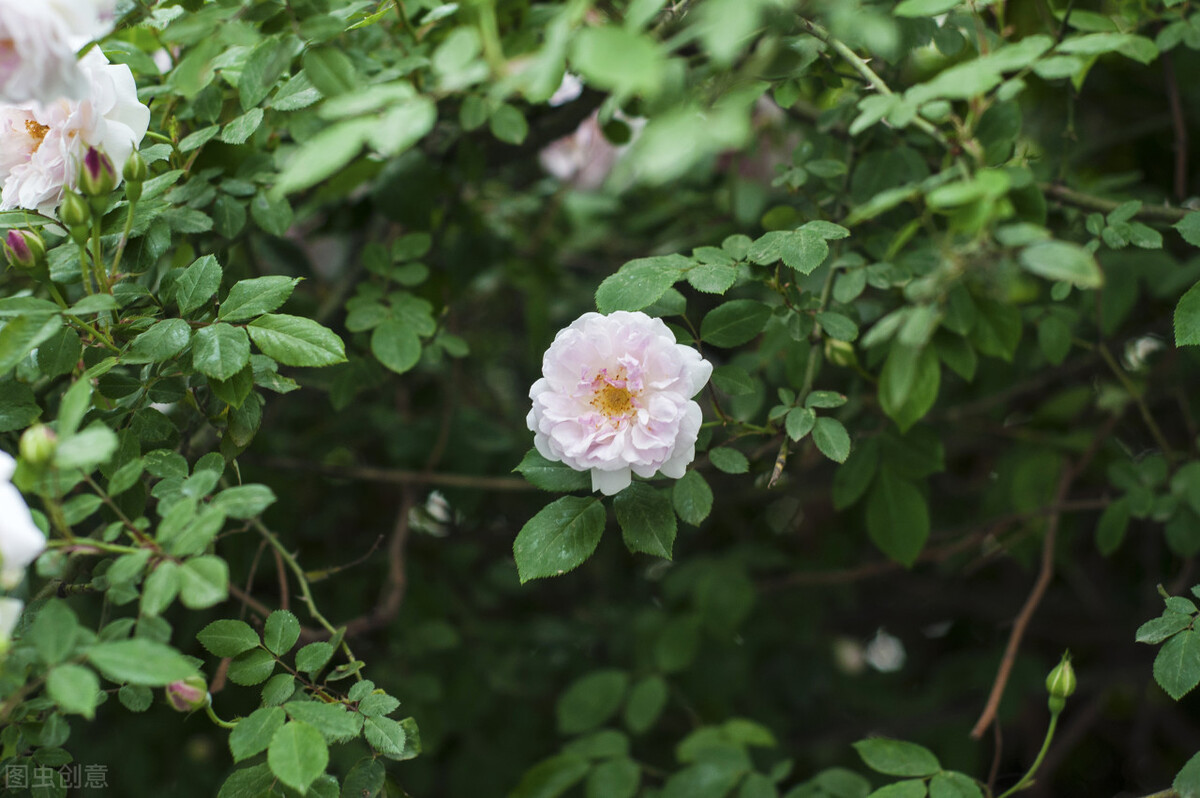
(187, 695)
(97, 175)
(24, 249)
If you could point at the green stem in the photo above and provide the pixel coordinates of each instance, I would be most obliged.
(124, 240)
(98, 258)
(1136, 395)
(224, 724)
(99, 336)
(305, 589)
(84, 268)
(1027, 779)
(861, 67)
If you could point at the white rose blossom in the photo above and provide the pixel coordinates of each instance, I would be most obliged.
(42, 145)
(615, 400)
(10, 613)
(38, 41)
(20, 539)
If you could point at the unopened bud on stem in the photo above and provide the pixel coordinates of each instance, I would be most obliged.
(24, 249)
(1061, 683)
(38, 444)
(188, 695)
(97, 177)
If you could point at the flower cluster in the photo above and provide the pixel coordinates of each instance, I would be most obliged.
(615, 399)
(38, 41)
(43, 145)
(20, 539)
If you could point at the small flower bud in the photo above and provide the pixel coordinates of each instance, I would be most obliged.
(74, 211)
(840, 353)
(97, 175)
(187, 695)
(135, 170)
(1061, 683)
(38, 444)
(24, 249)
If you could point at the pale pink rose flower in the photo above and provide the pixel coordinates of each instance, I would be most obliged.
(20, 539)
(42, 145)
(615, 399)
(38, 42)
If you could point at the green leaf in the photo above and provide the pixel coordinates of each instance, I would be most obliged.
(227, 637)
(22, 335)
(74, 688)
(406, 123)
(331, 71)
(692, 498)
(242, 128)
(1177, 666)
(140, 661)
(616, 778)
(508, 124)
(385, 735)
(559, 538)
(203, 582)
(163, 341)
(910, 788)
(551, 777)
(896, 757)
(733, 380)
(334, 721)
(1110, 530)
(837, 326)
(220, 350)
(312, 657)
(712, 278)
(1156, 630)
(647, 519)
(734, 323)
(160, 589)
(645, 703)
(924, 8)
(297, 755)
(253, 733)
(897, 519)
(591, 700)
(87, 449)
(197, 284)
(640, 283)
(396, 345)
(549, 475)
(951, 784)
(1189, 228)
(250, 298)
(251, 667)
(831, 439)
(619, 60)
(1187, 315)
(281, 632)
(1062, 260)
(296, 341)
(365, 779)
(244, 501)
(804, 250)
(923, 381)
(729, 460)
(324, 154)
(1187, 781)
(799, 422)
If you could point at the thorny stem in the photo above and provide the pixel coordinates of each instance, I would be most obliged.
(864, 69)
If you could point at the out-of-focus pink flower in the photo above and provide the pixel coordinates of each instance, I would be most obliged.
(615, 399)
(20, 539)
(42, 145)
(38, 41)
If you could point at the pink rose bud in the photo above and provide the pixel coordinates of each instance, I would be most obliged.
(98, 176)
(24, 249)
(187, 695)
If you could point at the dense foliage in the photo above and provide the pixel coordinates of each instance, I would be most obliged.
(267, 383)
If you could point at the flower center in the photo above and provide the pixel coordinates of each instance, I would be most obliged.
(613, 401)
(36, 132)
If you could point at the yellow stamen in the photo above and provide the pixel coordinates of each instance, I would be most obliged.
(36, 132)
(613, 401)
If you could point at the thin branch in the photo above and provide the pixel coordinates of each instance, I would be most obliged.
(1179, 123)
(861, 67)
(1150, 213)
(1045, 574)
(399, 476)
